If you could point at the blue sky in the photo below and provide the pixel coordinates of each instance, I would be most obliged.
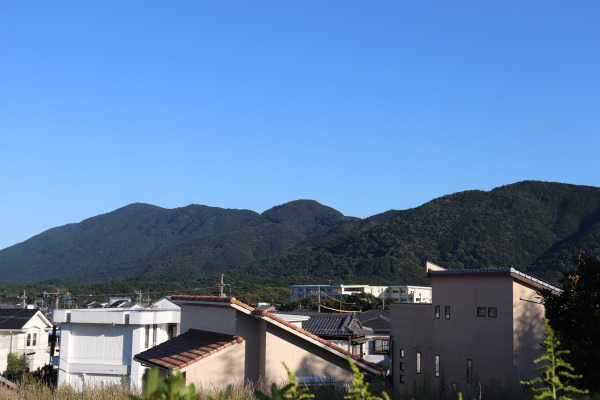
(364, 106)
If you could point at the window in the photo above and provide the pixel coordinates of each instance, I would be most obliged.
(147, 341)
(171, 331)
(437, 312)
(154, 333)
(492, 312)
(31, 339)
(402, 353)
(418, 362)
(481, 311)
(437, 365)
(469, 370)
(401, 366)
(401, 378)
(381, 346)
(447, 310)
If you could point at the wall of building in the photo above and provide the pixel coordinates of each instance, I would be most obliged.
(528, 329)
(486, 341)
(301, 357)
(218, 318)
(220, 370)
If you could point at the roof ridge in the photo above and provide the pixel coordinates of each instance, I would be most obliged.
(260, 313)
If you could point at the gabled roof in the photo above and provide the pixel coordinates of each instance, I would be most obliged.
(186, 349)
(378, 320)
(17, 318)
(329, 325)
(270, 318)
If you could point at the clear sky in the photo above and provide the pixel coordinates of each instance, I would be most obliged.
(364, 106)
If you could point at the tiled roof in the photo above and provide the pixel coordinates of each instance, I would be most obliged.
(272, 318)
(378, 320)
(187, 348)
(331, 325)
(15, 318)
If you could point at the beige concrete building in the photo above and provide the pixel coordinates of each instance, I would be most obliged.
(229, 342)
(482, 324)
(398, 293)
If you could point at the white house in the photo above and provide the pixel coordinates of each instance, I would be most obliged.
(24, 331)
(97, 345)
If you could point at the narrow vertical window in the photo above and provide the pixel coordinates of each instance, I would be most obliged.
(418, 362)
(402, 353)
(171, 331)
(28, 339)
(469, 370)
(447, 309)
(147, 341)
(34, 339)
(437, 311)
(437, 365)
(154, 333)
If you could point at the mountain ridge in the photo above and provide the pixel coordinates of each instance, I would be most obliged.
(533, 226)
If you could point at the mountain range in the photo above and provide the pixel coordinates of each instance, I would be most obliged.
(532, 226)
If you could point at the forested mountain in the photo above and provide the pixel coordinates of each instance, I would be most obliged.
(532, 226)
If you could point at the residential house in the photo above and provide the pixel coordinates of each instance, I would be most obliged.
(483, 324)
(342, 329)
(378, 347)
(24, 332)
(226, 341)
(98, 344)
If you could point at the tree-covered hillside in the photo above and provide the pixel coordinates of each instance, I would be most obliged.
(532, 226)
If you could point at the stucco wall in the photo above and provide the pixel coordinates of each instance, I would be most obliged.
(302, 358)
(219, 319)
(220, 370)
(487, 341)
(528, 329)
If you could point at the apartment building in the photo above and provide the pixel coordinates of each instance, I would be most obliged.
(482, 324)
(398, 293)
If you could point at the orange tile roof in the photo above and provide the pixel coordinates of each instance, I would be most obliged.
(264, 314)
(186, 349)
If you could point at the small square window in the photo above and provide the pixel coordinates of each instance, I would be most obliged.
(481, 311)
(492, 312)
(381, 346)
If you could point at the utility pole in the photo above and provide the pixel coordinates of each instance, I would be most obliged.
(319, 298)
(139, 295)
(57, 296)
(222, 285)
(24, 299)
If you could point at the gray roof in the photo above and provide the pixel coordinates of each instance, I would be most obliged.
(378, 320)
(495, 271)
(335, 325)
(15, 318)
